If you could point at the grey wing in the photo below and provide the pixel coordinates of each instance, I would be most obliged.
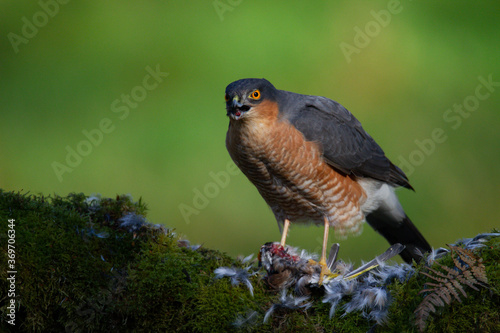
(346, 145)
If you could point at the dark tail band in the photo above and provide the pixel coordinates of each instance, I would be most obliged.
(403, 232)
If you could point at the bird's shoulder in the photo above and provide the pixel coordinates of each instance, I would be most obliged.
(345, 145)
(294, 107)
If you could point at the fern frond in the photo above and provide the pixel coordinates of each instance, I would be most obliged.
(468, 271)
(458, 286)
(466, 256)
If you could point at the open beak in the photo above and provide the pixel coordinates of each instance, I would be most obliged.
(237, 109)
(235, 104)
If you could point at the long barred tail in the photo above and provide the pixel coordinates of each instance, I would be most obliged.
(403, 231)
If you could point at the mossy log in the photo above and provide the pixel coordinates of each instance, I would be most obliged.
(86, 265)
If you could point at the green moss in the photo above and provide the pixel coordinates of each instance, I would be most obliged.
(79, 270)
(478, 312)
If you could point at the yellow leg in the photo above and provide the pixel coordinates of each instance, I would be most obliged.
(322, 261)
(325, 243)
(285, 232)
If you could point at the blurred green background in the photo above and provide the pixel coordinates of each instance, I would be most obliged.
(64, 77)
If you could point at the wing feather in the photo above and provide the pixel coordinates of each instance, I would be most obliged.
(346, 146)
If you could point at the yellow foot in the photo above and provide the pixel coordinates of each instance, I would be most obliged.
(325, 271)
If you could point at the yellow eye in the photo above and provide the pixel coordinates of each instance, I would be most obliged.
(226, 97)
(255, 94)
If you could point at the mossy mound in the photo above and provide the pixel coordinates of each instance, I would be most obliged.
(94, 265)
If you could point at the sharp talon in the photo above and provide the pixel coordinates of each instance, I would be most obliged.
(325, 271)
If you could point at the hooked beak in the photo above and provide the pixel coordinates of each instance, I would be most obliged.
(235, 104)
(236, 109)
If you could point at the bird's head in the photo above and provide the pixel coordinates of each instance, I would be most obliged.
(243, 96)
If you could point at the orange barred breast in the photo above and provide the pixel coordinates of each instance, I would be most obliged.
(291, 174)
